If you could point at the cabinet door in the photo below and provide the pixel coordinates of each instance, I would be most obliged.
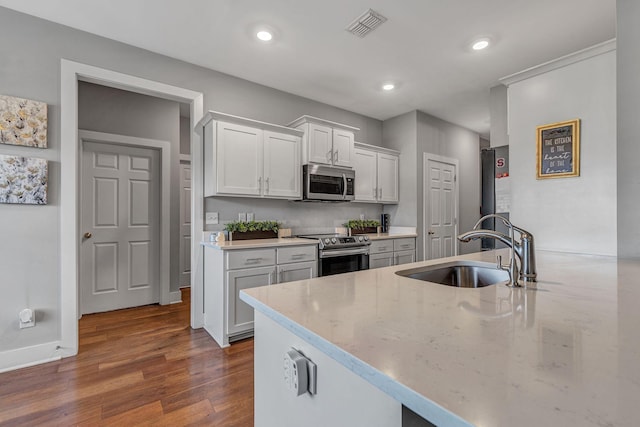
(405, 257)
(297, 271)
(364, 163)
(387, 178)
(343, 147)
(381, 260)
(239, 161)
(240, 314)
(282, 172)
(319, 139)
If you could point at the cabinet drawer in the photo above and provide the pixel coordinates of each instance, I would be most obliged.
(404, 244)
(379, 246)
(297, 254)
(251, 258)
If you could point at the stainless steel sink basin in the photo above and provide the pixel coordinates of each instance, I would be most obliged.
(459, 274)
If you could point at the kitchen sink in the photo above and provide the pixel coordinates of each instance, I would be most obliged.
(459, 274)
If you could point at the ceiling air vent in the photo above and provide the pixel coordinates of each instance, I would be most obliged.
(367, 22)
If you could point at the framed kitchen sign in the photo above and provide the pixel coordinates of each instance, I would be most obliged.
(558, 150)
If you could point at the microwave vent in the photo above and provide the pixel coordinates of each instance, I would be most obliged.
(365, 23)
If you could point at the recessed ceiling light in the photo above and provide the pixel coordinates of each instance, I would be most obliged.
(388, 86)
(480, 44)
(264, 35)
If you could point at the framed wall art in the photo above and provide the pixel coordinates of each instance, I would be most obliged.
(23, 180)
(23, 122)
(558, 150)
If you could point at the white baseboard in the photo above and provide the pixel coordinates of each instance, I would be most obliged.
(175, 297)
(29, 356)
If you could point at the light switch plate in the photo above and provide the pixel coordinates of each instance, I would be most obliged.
(242, 216)
(211, 218)
(250, 216)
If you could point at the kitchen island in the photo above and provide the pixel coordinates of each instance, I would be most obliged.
(565, 354)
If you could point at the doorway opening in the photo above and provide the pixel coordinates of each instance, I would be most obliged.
(71, 74)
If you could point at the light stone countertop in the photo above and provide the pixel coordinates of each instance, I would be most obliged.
(384, 236)
(259, 243)
(566, 354)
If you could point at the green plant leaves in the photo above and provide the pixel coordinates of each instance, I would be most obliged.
(362, 223)
(245, 226)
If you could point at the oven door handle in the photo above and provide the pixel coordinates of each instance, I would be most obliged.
(342, 252)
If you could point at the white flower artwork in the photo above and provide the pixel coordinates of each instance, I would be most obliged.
(23, 180)
(23, 122)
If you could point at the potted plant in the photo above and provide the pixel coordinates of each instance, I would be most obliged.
(246, 230)
(362, 226)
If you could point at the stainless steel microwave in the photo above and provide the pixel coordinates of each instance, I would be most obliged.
(328, 183)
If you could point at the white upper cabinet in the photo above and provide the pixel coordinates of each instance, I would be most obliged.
(325, 142)
(388, 178)
(320, 140)
(365, 165)
(239, 160)
(282, 171)
(248, 158)
(376, 174)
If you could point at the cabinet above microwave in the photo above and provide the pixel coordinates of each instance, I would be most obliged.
(326, 142)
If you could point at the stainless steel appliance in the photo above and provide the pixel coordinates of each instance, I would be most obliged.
(326, 183)
(341, 254)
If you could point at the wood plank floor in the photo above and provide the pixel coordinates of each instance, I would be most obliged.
(136, 367)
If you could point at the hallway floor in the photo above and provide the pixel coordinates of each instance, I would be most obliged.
(136, 367)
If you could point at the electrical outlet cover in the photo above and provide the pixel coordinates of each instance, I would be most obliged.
(250, 216)
(242, 216)
(211, 218)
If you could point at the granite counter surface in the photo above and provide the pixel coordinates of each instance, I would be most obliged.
(566, 354)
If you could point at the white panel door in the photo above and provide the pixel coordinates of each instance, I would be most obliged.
(387, 178)
(282, 174)
(185, 224)
(120, 202)
(343, 147)
(239, 159)
(364, 164)
(319, 139)
(240, 314)
(441, 205)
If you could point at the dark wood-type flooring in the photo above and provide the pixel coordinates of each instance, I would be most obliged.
(136, 367)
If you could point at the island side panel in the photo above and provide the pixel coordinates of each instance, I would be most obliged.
(215, 297)
(342, 397)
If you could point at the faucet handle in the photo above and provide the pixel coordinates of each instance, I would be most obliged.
(499, 263)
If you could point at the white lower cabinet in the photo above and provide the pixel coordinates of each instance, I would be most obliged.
(227, 272)
(240, 314)
(388, 252)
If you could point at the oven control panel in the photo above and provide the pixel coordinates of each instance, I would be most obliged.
(344, 242)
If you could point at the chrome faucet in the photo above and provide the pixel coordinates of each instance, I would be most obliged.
(524, 249)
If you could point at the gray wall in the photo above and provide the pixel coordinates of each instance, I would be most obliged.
(29, 253)
(400, 133)
(499, 132)
(109, 110)
(628, 105)
(185, 135)
(436, 136)
(569, 214)
(416, 133)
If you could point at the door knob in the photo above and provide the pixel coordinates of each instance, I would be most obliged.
(87, 235)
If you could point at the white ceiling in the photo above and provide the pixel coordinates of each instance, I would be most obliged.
(423, 46)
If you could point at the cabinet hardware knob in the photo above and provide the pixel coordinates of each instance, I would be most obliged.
(88, 235)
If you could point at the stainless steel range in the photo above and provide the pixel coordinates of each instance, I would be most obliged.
(341, 254)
